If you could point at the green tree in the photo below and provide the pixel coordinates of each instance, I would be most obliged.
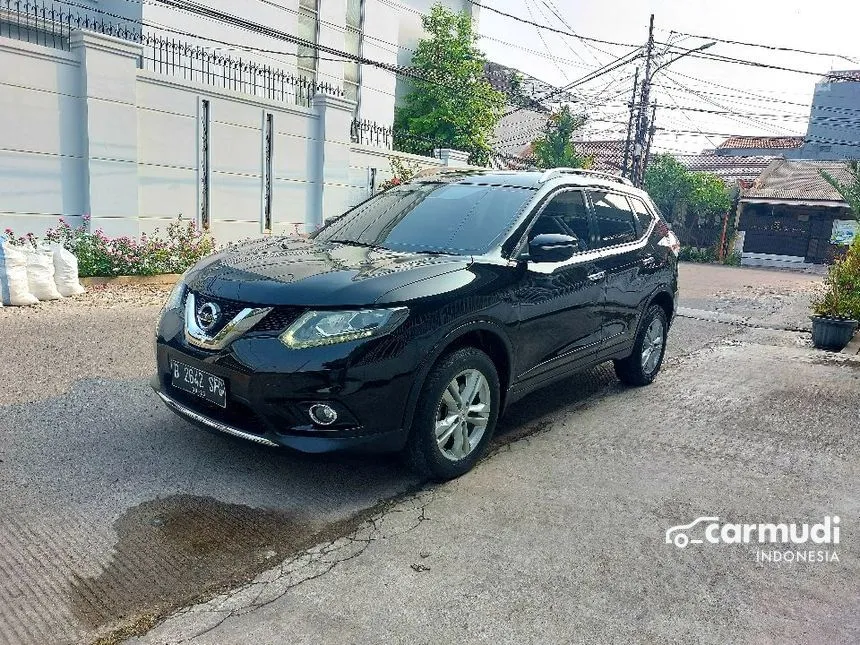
(555, 149)
(450, 104)
(690, 200)
(851, 191)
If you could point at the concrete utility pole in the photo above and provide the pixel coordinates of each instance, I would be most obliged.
(625, 172)
(643, 133)
(638, 170)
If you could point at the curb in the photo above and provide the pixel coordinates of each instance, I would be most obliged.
(853, 346)
(734, 319)
(166, 279)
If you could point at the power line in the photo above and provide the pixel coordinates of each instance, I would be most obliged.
(763, 46)
(751, 63)
(624, 60)
(533, 52)
(686, 116)
(543, 41)
(547, 27)
(716, 104)
(550, 5)
(738, 97)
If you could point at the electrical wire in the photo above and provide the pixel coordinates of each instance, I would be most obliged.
(547, 27)
(763, 46)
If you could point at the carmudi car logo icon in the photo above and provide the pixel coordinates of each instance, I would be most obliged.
(789, 536)
(677, 534)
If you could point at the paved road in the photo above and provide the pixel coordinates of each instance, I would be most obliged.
(112, 510)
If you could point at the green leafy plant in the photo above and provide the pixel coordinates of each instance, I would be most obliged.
(182, 245)
(694, 254)
(690, 200)
(451, 104)
(840, 297)
(850, 192)
(555, 149)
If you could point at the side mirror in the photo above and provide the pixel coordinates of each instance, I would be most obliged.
(552, 247)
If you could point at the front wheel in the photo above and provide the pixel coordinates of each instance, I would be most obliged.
(641, 367)
(455, 416)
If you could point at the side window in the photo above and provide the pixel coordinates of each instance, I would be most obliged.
(616, 223)
(565, 214)
(642, 213)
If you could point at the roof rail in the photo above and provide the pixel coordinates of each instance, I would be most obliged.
(554, 173)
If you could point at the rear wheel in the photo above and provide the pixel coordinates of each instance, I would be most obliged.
(455, 416)
(642, 366)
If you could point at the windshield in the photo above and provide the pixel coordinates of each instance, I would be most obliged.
(461, 219)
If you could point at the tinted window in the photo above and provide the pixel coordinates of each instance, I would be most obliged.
(642, 214)
(615, 220)
(565, 214)
(453, 218)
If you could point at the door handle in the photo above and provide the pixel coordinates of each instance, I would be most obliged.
(594, 277)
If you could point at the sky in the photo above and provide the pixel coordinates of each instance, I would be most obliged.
(760, 101)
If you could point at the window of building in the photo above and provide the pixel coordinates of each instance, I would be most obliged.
(352, 45)
(308, 31)
(616, 223)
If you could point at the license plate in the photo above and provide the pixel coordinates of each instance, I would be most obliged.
(206, 386)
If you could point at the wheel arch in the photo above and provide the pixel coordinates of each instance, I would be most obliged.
(662, 298)
(486, 335)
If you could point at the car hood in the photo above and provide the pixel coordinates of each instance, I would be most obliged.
(292, 271)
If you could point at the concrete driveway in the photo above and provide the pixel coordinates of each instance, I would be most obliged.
(113, 512)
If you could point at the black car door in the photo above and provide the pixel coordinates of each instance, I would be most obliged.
(624, 259)
(559, 303)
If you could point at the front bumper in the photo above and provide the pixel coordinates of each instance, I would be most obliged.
(271, 387)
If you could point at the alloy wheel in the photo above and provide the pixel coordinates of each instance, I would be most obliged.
(652, 345)
(463, 414)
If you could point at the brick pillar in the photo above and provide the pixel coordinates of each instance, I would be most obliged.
(109, 130)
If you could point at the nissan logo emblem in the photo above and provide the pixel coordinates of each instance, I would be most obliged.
(208, 315)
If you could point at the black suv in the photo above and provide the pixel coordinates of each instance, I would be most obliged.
(411, 321)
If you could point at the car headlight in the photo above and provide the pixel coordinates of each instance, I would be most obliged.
(177, 295)
(316, 328)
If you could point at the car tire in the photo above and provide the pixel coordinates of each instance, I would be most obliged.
(450, 434)
(642, 366)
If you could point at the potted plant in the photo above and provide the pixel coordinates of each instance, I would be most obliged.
(837, 309)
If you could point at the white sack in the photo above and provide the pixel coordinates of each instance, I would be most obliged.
(66, 271)
(13, 277)
(40, 274)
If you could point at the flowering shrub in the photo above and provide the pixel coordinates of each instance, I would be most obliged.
(402, 171)
(98, 255)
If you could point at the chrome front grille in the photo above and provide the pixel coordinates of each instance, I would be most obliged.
(277, 320)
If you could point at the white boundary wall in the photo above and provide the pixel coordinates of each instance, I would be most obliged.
(88, 132)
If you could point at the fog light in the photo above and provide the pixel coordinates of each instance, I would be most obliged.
(322, 414)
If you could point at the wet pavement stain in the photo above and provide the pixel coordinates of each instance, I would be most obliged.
(179, 549)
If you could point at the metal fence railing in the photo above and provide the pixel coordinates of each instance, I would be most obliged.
(370, 133)
(51, 25)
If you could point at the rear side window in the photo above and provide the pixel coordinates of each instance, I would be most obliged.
(616, 223)
(642, 213)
